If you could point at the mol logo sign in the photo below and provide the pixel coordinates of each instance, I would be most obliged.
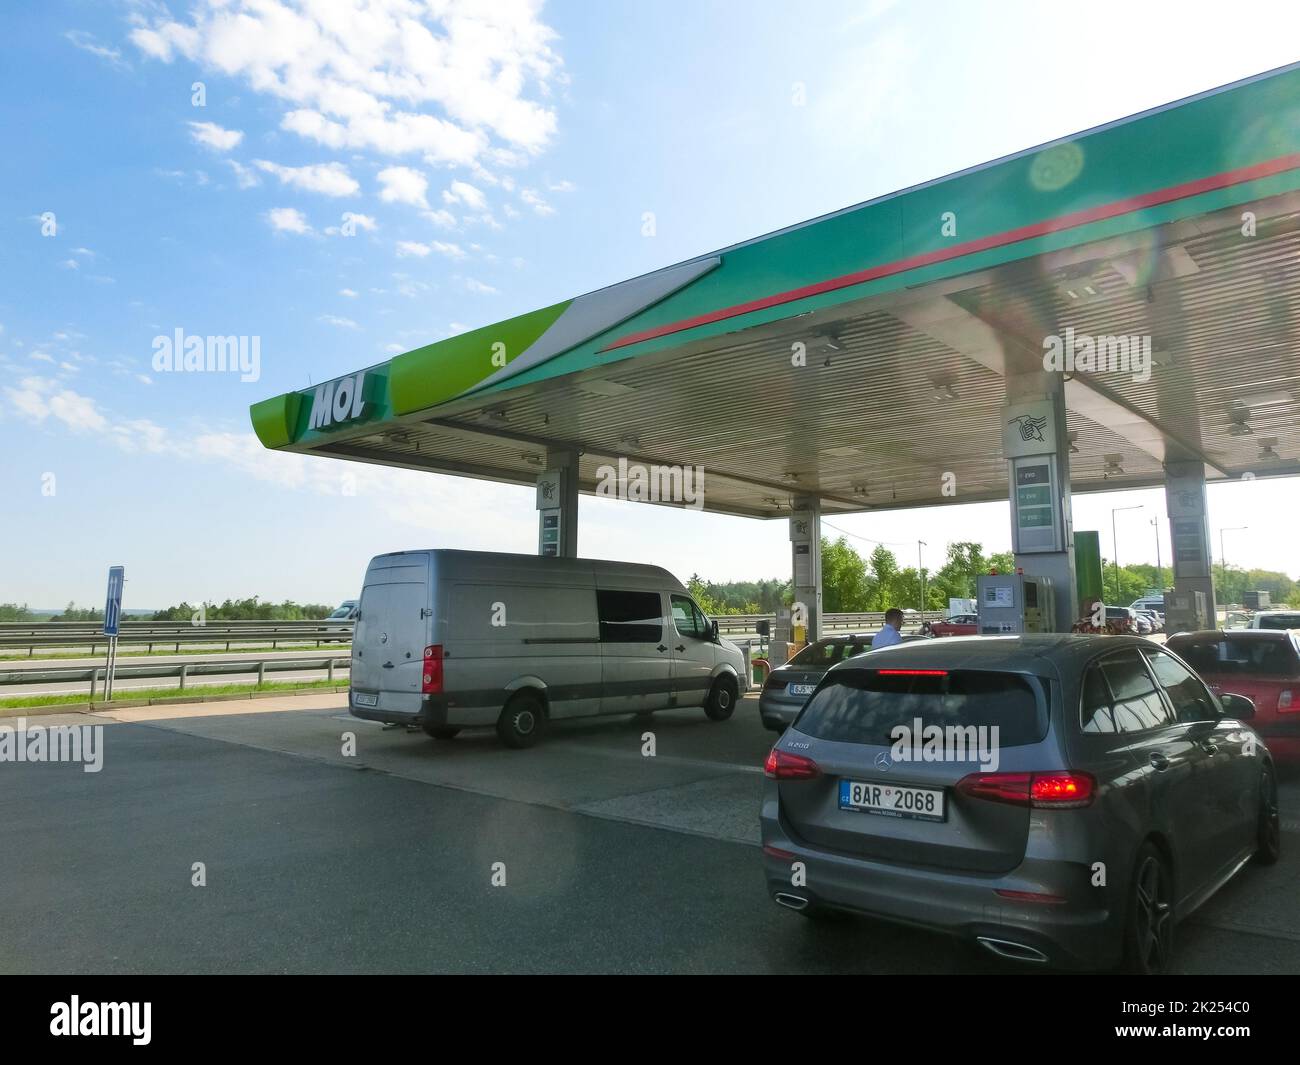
(339, 402)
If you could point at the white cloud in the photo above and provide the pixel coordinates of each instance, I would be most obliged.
(442, 218)
(39, 398)
(210, 135)
(348, 292)
(403, 185)
(339, 323)
(409, 248)
(41, 356)
(287, 220)
(561, 186)
(329, 179)
(372, 76)
(479, 287)
(539, 205)
(452, 251)
(463, 192)
(87, 43)
(245, 176)
(140, 434)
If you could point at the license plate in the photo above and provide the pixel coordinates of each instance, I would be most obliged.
(800, 689)
(891, 800)
(365, 699)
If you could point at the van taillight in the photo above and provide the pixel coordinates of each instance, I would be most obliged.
(432, 681)
(783, 766)
(1060, 790)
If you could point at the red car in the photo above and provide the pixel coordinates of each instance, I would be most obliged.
(957, 625)
(1261, 664)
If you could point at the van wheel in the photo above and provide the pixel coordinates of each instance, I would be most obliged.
(1149, 927)
(1268, 846)
(721, 703)
(441, 732)
(521, 721)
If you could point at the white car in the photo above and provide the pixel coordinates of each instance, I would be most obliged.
(1276, 619)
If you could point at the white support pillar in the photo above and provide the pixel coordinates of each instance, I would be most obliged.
(557, 506)
(1037, 449)
(806, 559)
(1192, 604)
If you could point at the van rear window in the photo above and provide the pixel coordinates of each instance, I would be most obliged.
(629, 617)
(865, 706)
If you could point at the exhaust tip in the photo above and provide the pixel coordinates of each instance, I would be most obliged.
(791, 902)
(1005, 948)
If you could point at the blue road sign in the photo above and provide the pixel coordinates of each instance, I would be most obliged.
(113, 604)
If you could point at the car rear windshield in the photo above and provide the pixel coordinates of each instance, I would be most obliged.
(866, 706)
(1243, 655)
(1279, 621)
(825, 654)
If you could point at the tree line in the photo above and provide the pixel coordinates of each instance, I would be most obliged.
(854, 584)
(251, 609)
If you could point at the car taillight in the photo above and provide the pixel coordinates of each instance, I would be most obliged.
(431, 682)
(1061, 790)
(1285, 705)
(781, 765)
(773, 681)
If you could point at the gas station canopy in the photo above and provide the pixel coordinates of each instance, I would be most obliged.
(862, 358)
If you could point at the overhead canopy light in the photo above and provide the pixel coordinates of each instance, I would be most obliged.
(597, 386)
(943, 392)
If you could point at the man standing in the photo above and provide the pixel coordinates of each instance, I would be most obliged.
(890, 634)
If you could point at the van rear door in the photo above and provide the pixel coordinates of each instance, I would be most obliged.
(391, 633)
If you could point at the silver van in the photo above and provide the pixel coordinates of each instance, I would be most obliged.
(461, 639)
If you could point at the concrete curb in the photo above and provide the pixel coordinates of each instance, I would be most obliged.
(122, 704)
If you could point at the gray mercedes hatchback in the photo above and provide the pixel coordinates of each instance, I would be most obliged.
(1056, 799)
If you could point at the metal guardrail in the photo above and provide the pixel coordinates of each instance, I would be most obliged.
(184, 671)
(183, 633)
(150, 634)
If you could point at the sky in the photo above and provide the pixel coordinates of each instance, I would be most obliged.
(348, 180)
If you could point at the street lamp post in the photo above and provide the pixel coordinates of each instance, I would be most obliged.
(1223, 560)
(1114, 539)
(920, 570)
(1160, 576)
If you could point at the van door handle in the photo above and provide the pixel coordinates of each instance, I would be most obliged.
(681, 647)
(388, 665)
(1158, 761)
(661, 648)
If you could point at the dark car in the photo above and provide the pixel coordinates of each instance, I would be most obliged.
(787, 687)
(1261, 664)
(1081, 795)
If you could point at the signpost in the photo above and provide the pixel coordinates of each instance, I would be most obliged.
(112, 623)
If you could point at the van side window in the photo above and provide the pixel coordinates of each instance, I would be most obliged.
(1138, 706)
(1094, 705)
(688, 619)
(629, 617)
